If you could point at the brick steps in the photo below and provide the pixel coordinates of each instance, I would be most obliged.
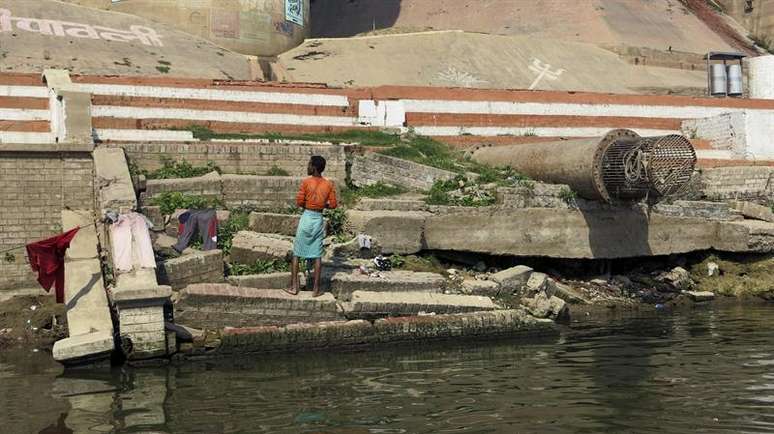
(368, 304)
(344, 284)
(222, 305)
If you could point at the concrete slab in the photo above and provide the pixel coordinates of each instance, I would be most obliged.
(273, 223)
(512, 279)
(480, 287)
(248, 247)
(113, 181)
(265, 281)
(343, 284)
(700, 296)
(84, 347)
(85, 298)
(367, 304)
(398, 232)
(753, 210)
(84, 245)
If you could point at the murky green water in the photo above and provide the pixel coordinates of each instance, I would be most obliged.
(707, 370)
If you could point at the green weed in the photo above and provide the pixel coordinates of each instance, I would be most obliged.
(171, 169)
(277, 171)
(173, 200)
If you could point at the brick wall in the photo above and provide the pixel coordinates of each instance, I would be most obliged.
(373, 168)
(725, 131)
(34, 188)
(241, 158)
(744, 182)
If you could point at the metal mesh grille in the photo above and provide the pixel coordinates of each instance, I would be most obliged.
(657, 166)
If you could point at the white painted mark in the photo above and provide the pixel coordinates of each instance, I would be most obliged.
(460, 78)
(144, 135)
(543, 70)
(15, 114)
(24, 91)
(539, 131)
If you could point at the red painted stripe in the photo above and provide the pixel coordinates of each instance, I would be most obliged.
(435, 93)
(216, 126)
(10, 78)
(236, 106)
(23, 103)
(26, 126)
(525, 121)
(708, 163)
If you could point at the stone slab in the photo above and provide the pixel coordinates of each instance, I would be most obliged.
(367, 304)
(605, 233)
(700, 296)
(85, 298)
(198, 267)
(248, 247)
(344, 283)
(512, 279)
(113, 181)
(84, 244)
(273, 223)
(397, 232)
(481, 287)
(265, 281)
(387, 204)
(753, 210)
(83, 347)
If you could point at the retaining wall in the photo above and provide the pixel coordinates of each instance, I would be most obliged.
(34, 188)
(146, 110)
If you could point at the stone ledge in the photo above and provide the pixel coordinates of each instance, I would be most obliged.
(343, 284)
(336, 334)
(84, 348)
(367, 304)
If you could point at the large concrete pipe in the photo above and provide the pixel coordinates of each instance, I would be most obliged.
(620, 165)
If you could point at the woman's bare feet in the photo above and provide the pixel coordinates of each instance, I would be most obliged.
(291, 291)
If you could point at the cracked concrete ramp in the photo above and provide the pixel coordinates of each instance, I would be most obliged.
(40, 34)
(459, 59)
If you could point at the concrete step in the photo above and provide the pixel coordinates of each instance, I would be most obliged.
(248, 247)
(343, 283)
(265, 281)
(367, 304)
(214, 306)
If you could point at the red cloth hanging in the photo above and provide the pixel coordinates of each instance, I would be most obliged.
(47, 259)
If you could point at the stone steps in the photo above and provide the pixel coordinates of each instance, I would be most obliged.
(343, 283)
(367, 304)
(215, 306)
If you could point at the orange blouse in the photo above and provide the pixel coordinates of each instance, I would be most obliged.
(315, 193)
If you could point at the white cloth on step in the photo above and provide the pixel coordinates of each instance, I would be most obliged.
(131, 242)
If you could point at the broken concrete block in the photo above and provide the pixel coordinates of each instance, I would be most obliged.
(699, 296)
(679, 278)
(215, 306)
(480, 287)
(272, 223)
(566, 292)
(141, 318)
(373, 168)
(398, 232)
(248, 247)
(753, 210)
(537, 282)
(343, 284)
(265, 281)
(112, 181)
(544, 306)
(367, 304)
(194, 268)
(696, 209)
(209, 186)
(512, 279)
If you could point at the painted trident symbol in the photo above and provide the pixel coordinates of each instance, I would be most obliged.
(543, 70)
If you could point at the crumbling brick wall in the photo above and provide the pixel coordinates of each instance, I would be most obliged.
(240, 158)
(743, 182)
(373, 168)
(34, 188)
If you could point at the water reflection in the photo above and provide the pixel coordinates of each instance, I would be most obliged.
(702, 370)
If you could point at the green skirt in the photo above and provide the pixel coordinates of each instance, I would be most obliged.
(309, 236)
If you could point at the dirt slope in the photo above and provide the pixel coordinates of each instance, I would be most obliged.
(657, 24)
(459, 59)
(110, 48)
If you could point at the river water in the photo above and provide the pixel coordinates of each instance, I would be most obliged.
(702, 370)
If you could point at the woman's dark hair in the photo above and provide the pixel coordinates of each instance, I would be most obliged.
(318, 163)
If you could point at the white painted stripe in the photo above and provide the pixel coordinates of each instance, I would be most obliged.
(145, 135)
(541, 131)
(562, 109)
(715, 154)
(15, 114)
(24, 91)
(216, 94)
(223, 116)
(26, 138)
